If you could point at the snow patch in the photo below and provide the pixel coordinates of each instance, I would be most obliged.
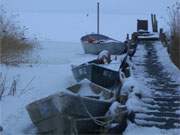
(165, 60)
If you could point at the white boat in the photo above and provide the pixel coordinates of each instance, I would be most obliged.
(96, 43)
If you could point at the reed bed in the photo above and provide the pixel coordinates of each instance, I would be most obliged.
(174, 23)
(15, 47)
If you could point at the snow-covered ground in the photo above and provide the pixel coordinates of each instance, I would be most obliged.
(165, 60)
(36, 80)
(53, 73)
(135, 130)
(143, 84)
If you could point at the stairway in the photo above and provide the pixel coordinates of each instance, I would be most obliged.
(162, 108)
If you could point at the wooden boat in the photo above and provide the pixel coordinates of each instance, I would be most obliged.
(95, 43)
(69, 112)
(89, 89)
(96, 73)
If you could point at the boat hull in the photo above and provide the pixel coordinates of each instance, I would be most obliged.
(97, 74)
(101, 42)
(113, 48)
(58, 112)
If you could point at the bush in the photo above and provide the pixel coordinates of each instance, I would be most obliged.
(174, 23)
(14, 46)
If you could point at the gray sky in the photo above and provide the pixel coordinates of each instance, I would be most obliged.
(107, 6)
(117, 17)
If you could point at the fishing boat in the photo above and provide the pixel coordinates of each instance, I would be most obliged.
(75, 110)
(98, 74)
(95, 43)
(105, 75)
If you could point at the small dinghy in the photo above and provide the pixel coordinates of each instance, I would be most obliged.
(95, 43)
(73, 111)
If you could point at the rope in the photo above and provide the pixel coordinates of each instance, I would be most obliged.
(74, 128)
(98, 122)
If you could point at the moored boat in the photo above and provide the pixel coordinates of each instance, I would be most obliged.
(95, 43)
(69, 111)
(97, 74)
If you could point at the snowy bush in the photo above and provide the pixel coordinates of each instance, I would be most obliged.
(14, 46)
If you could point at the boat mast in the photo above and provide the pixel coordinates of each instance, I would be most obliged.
(97, 17)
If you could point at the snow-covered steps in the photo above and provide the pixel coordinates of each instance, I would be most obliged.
(172, 103)
(157, 108)
(162, 125)
(145, 123)
(162, 98)
(162, 108)
(166, 122)
(158, 114)
(165, 91)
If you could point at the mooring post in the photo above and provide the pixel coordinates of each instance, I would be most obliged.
(154, 18)
(155, 23)
(98, 18)
(152, 22)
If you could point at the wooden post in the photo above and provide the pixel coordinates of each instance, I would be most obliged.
(98, 18)
(161, 30)
(127, 37)
(156, 24)
(154, 16)
(152, 21)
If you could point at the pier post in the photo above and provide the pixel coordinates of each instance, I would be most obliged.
(154, 23)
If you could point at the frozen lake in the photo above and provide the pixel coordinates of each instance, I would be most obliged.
(59, 26)
(66, 20)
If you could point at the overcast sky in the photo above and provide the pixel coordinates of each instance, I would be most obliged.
(107, 6)
(117, 17)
